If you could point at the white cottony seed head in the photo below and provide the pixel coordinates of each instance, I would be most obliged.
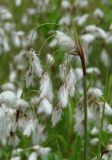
(109, 147)
(62, 71)
(35, 63)
(50, 59)
(45, 107)
(93, 70)
(56, 115)
(70, 81)
(33, 156)
(46, 87)
(65, 4)
(8, 97)
(64, 40)
(16, 158)
(96, 91)
(29, 77)
(63, 96)
(29, 127)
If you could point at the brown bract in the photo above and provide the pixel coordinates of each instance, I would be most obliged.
(80, 52)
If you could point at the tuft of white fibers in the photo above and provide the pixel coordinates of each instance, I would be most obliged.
(56, 115)
(87, 38)
(81, 3)
(109, 128)
(93, 70)
(53, 43)
(33, 156)
(7, 121)
(105, 156)
(68, 58)
(91, 113)
(21, 103)
(29, 127)
(39, 136)
(98, 13)
(46, 87)
(65, 20)
(90, 28)
(110, 27)
(104, 57)
(36, 147)
(31, 11)
(44, 151)
(94, 131)
(41, 150)
(12, 76)
(3, 123)
(94, 107)
(50, 59)
(94, 114)
(70, 82)
(72, 91)
(35, 63)
(8, 97)
(6, 46)
(108, 39)
(96, 31)
(17, 151)
(18, 2)
(63, 96)
(19, 92)
(16, 39)
(8, 86)
(6, 15)
(29, 77)
(96, 91)
(108, 109)
(45, 107)
(34, 100)
(65, 4)
(13, 140)
(64, 40)
(35, 36)
(94, 141)
(79, 73)
(109, 147)
(62, 71)
(80, 20)
(7, 26)
(101, 33)
(15, 158)
(79, 121)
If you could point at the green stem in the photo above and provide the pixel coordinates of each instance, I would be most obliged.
(102, 117)
(59, 151)
(85, 118)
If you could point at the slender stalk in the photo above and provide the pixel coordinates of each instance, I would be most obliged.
(102, 118)
(59, 151)
(85, 117)
(82, 58)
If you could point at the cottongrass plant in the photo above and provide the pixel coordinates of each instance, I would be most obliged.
(73, 48)
(91, 97)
